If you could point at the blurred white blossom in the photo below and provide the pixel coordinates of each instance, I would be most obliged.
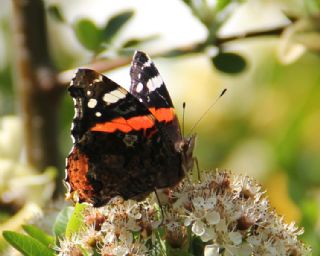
(19, 182)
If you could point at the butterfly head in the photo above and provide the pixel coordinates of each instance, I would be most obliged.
(186, 147)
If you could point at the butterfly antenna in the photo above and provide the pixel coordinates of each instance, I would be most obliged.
(183, 112)
(208, 109)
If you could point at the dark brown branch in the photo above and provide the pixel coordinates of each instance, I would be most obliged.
(253, 34)
(108, 65)
(36, 84)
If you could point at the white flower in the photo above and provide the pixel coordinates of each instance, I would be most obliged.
(209, 234)
(213, 217)
(198, 203)
(187, 221)
(211, 250)
(198, 228)
(210, 202)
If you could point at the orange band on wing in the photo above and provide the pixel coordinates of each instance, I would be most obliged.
(163, 114)
(77, 173)
(140, 122)
(125, 125)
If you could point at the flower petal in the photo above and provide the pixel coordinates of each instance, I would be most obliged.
(213, 218)
(198, 228)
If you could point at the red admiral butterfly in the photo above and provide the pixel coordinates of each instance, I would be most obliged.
(124, 143)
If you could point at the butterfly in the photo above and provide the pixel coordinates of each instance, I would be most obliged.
(125, 143)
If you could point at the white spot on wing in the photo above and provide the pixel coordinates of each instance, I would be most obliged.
(98, 114)
(154, 83)
(89, 93)
(76, 110)
(147, 64)
(98, 79)
(72, 138)
(92, 103)
(114, 96)
(139, 87)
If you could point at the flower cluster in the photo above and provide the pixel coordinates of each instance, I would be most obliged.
(232, 217)
(119, 228)
(222, 214)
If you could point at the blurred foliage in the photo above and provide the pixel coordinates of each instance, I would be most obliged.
(276, 111)
(98, 39)
(38, 243)
(230, 63)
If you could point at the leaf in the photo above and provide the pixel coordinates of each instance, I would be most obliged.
(76, 220)
(114, 24)
(134, 42)
(228, 62)
(38, 234)
(27, 245)
(56, 13)
(88, 34)
(60, 225)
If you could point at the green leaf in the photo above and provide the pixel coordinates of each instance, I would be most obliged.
(38, 234)
(88, 34)
(76, 220)
(27, 245)
(134, 42)
(60, 225)
(228, 62)
(114, 24)
(56, 13)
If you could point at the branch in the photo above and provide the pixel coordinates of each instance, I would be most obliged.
(99, 65)
(270, 32)
(102, 66)
(37, 88)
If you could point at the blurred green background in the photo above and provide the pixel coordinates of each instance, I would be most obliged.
(266, 125)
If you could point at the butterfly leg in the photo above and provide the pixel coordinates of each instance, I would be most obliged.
(195, 160)
(160, 205)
